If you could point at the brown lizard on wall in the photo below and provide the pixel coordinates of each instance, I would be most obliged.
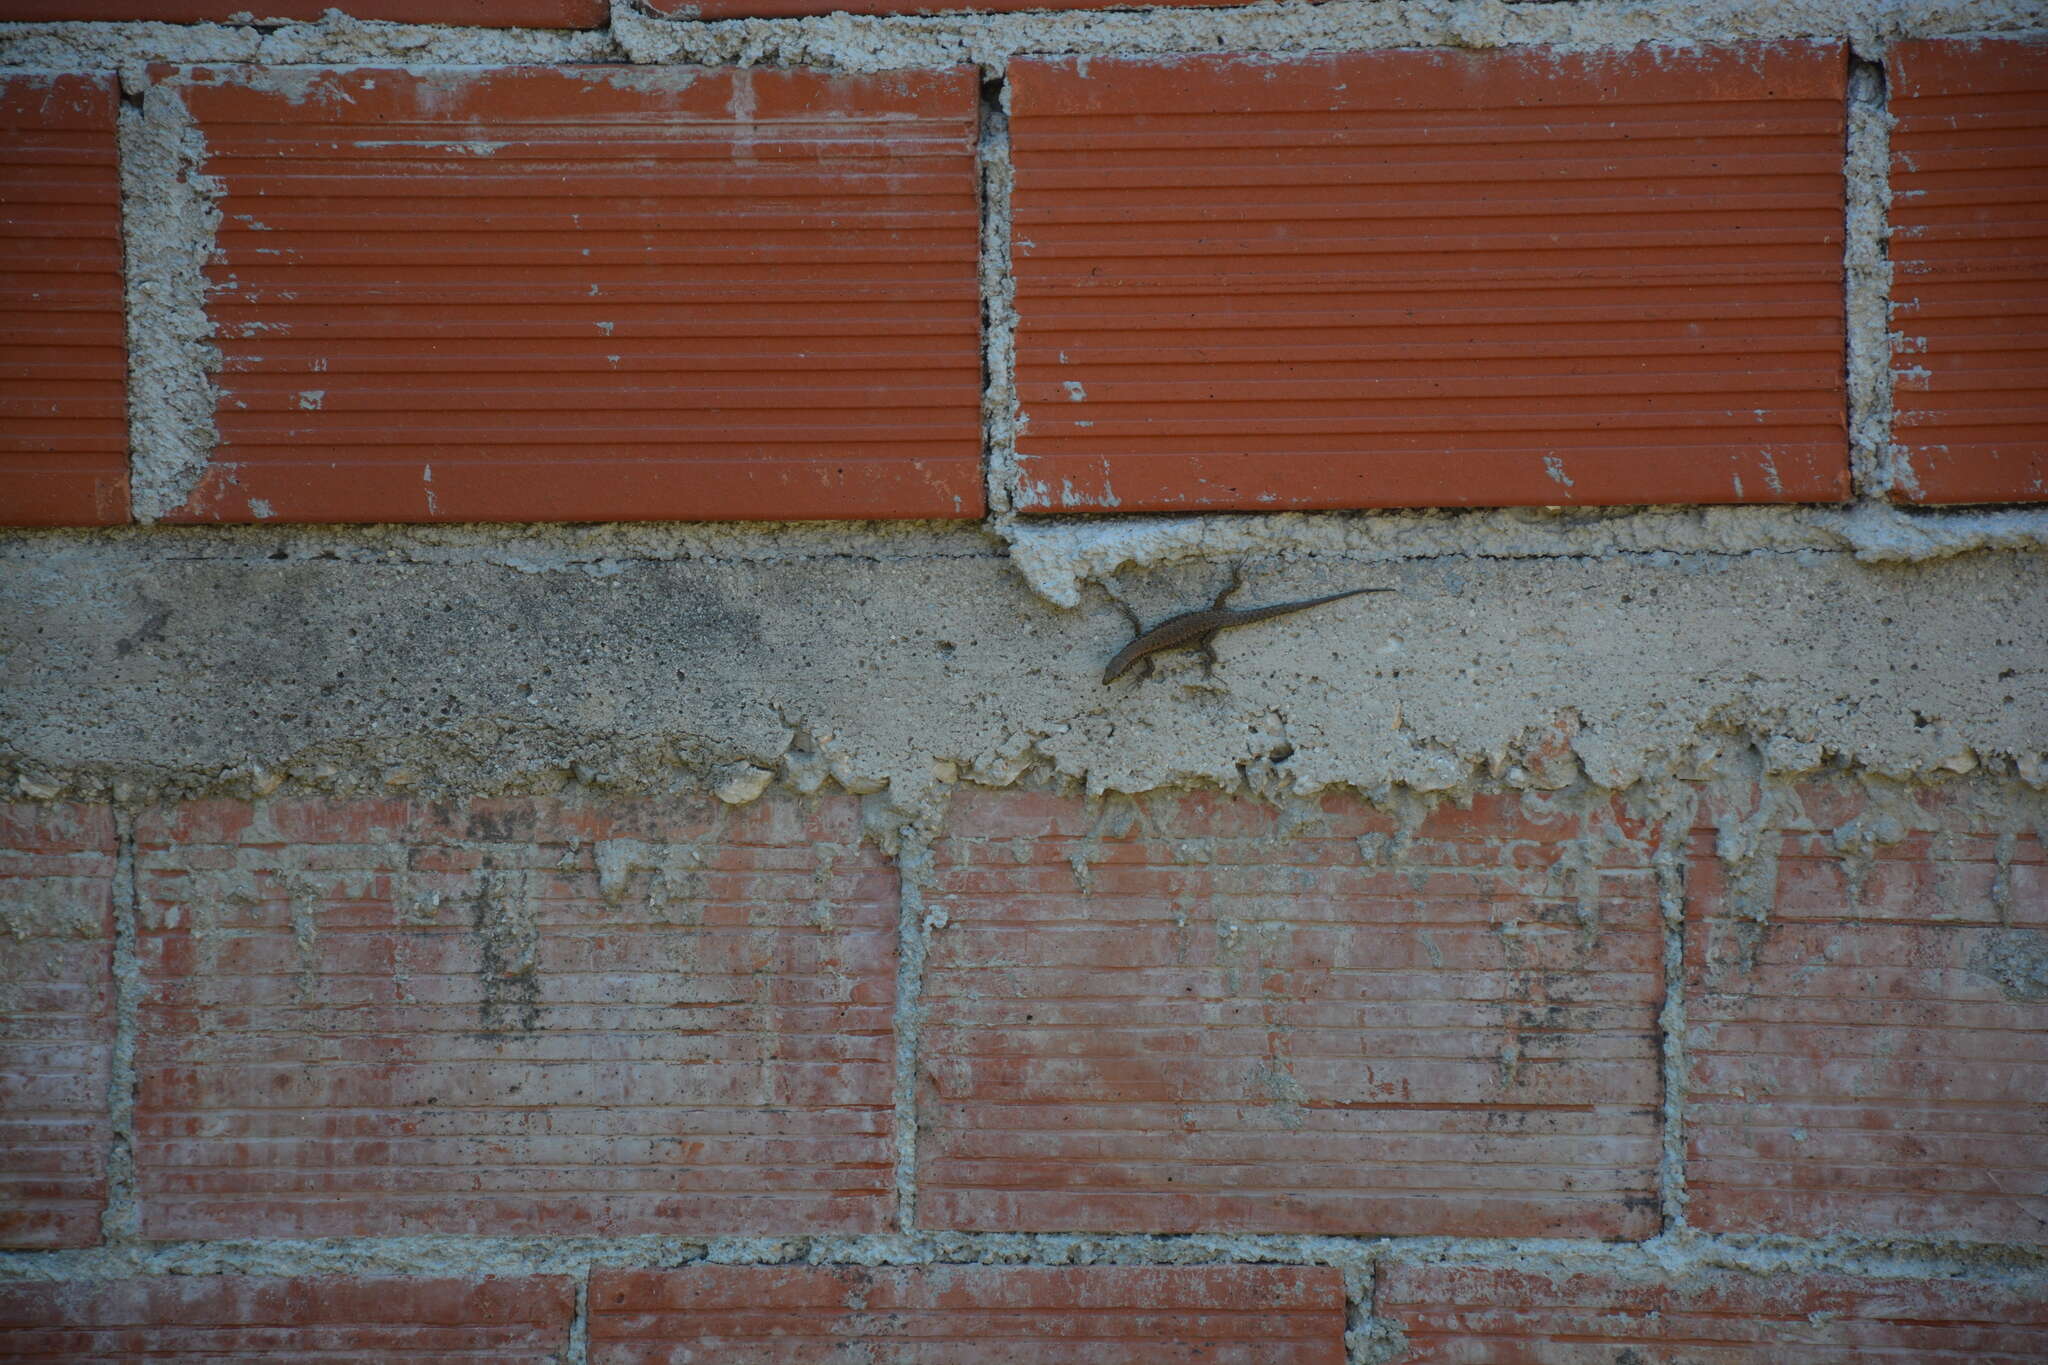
(1197, 629)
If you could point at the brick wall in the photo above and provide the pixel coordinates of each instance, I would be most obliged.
(515, 292)
(1195, 1015)
(423, 977)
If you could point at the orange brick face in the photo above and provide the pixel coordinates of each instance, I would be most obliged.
(333, 1320)
(63, 344)
(381, 1018)
(586, 294)
(56, 1021)
(1183, 1018)
(1430, 278)
(1456, 1315)
(1868, 1034)
(1012, 1315)
(1969, 253)
(771, 9)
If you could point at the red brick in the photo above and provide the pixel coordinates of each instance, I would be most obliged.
(1194, 1020)
(1412, 278)
(63, 343)
(480, 13)
(510, 1017)
(1969, 252)
(56, 1021)
(331, 1319)
(1011, 1315)
(483, 13)
(1868, 1039)
(731, 9)
(592, 293)
(1457, 1315)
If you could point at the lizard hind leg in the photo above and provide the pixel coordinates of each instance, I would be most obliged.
(1206, 647)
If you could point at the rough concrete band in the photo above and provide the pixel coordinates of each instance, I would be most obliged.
(166, 663)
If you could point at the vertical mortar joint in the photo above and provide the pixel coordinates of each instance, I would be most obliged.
(914, 928)
(121, 1218)
(1867, 280)
(998, 301)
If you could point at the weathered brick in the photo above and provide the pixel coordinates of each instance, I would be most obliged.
(1010, 1315)
(1408, 278)
(513, 1016)
(1969, 251)
(1867, 1022)
(592, 293)
(1189, 1016)
(328, 1319)
(482, 13)
(1462, 1315)
(63, 344)
(56, 1021)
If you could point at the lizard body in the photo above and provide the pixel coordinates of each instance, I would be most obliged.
(1197, 628)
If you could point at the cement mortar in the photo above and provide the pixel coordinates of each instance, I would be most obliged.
(869, 43)
(882, 42)
(169, 218)
(165, 662)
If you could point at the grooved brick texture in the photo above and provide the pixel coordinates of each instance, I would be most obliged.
(1011, 1315)
(56, 1021)
(1867, 1020)
(63, 338)
(1464, 1315)
(1414, 278)
(1184, 1016)
(576, 294)
(483, 13)
(385, 1018)
(1969, 251)
(735, 9)
(328, 1319)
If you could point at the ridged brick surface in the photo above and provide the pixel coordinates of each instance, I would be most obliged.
(483, 13)
(1184, 1017)
(515, 1017)
(56, 1021)
(63, 338)
(1867, 1026)
(331, 1320)
(736, 9)
(1430, 278)
(1462, 1315)
(1007, 1315)
(1969, 250)
(578, 294)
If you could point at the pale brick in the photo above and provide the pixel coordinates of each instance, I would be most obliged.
(331, 1320)
(1469, 1315)
(1007, 1315)
(1865, 1027)
(514, 1017)
(56, 1021)
(1194, 1018)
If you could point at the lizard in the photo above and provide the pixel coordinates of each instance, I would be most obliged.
(1197, 629)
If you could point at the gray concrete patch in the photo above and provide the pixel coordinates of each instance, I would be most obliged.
(176, 662)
